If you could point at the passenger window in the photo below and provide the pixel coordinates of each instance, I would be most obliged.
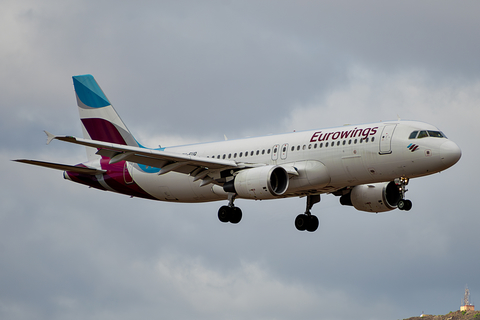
(224, 156)
(258, 152)
(326, 144)
(240, 155)
(355, 141)
(298, 148)
(315, 146)
(293, 148)
(263, 151)
(268, 151)
(373, 139)
(235, 155)
(321, 144)
(422, 134)
(251, 153)
(413, 135)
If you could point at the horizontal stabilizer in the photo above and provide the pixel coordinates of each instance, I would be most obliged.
(63, 167)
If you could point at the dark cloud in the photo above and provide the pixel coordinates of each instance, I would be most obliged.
(186, 71)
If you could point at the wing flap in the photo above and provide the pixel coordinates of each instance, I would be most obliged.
(63, 167)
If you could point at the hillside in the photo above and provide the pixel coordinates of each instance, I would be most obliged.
(457, 315)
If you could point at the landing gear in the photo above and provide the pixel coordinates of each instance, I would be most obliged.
(403, 204)
(230, 213)
(307, 221)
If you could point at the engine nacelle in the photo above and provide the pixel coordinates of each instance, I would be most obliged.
(267, 182)
(375, 197)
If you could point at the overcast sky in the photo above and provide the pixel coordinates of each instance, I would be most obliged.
(191, 71)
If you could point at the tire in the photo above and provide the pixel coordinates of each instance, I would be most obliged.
(312, 223)
(408, 205)
(301, 222)
(235, 215)
(401, 204)
(224, 214)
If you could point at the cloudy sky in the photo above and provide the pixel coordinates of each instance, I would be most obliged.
(191, 71)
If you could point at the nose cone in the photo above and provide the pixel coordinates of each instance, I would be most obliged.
(450, 153)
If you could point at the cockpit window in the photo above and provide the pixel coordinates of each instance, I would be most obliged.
(422, 134)
(436, 134)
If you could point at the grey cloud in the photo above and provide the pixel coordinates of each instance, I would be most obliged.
(200, 70)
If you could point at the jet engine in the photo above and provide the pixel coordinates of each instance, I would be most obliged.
(267, 182)
(375, 197)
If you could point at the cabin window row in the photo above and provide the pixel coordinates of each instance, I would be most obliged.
(332, 144)
(310, 146)
(241, 154)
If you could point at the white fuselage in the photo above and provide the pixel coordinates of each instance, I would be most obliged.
(343, 157)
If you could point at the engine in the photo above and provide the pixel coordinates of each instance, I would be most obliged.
(265, 182)
(375, 197)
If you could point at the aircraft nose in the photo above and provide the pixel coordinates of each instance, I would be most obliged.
(450, 153)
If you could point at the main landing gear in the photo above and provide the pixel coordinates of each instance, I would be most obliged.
(230, 213)
(307, 221)
(403, 204)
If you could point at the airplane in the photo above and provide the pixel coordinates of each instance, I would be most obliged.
(367, 166)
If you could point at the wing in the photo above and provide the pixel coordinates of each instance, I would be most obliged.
(63, 167)
(167, 161)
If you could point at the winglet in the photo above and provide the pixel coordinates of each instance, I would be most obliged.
(50, 136)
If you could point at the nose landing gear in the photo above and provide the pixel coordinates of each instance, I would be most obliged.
(403, 204)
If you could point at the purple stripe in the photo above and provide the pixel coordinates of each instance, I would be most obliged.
(103, 130)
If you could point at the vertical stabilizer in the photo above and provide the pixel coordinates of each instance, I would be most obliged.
(99, 119)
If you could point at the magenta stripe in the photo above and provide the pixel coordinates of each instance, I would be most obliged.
(103, 130)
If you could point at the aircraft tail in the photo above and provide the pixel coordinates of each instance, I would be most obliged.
(99, 119)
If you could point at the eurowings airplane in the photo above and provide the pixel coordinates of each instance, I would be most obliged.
(368, 166)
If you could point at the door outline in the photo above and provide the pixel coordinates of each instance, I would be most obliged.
(275, 150)
(386, 138)
(284, 151)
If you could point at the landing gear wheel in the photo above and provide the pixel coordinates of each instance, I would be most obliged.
(312, 223)
(404, 204)
(235, 215)
(224, 213)
(307, 221)
(301, 222)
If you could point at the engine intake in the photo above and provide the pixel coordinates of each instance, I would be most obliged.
(267, 182)
(375, 197)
